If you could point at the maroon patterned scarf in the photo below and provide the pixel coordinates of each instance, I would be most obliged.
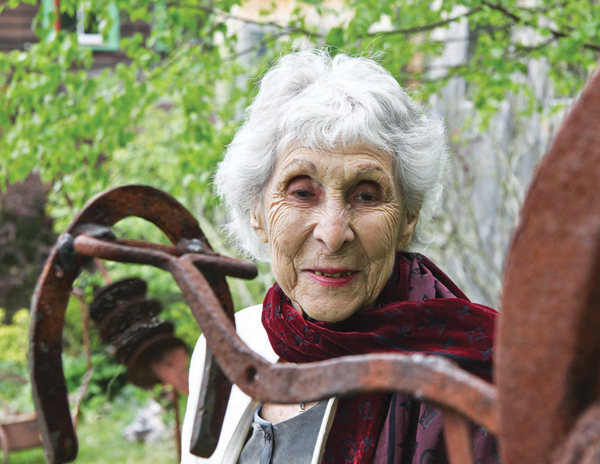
(419, 310)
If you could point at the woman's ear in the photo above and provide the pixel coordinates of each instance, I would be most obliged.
(257, 223)
(409, 229)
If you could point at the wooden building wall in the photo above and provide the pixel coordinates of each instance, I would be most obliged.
(16, 33)
(15, 27)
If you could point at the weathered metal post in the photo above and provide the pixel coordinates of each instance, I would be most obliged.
(548, 358)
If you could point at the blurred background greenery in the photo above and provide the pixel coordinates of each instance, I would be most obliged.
(151, 91)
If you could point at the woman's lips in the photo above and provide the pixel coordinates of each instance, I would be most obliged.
(332, 277)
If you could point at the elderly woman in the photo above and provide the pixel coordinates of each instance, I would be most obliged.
(333, 178)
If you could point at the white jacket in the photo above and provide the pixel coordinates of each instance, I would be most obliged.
(240, 409)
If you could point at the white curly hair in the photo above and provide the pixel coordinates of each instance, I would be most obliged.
(323, 102)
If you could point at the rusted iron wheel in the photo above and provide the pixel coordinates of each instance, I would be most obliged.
(547, 369)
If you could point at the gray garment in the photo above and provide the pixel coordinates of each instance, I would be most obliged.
(289, 442)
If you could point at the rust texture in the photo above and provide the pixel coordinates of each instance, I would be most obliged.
(457, 433)
(583, 444)
(548, 346)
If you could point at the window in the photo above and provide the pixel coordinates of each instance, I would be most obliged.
(92, 31)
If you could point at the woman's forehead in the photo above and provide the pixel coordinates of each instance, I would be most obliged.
(357, 160)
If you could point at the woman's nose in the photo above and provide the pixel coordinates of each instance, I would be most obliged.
(333, 228)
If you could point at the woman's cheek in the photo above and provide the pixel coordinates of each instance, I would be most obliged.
(380, 235)
(379, 232)
(283, 269)
(289, 229)
(285, 239)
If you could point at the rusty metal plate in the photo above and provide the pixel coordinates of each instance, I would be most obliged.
(547, 363)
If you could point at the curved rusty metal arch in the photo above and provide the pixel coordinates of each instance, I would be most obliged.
(548, 365)
(54, 288)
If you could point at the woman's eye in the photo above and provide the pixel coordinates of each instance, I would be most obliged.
(366, 197)
(301, 189)
(367, 193)
(302, 194)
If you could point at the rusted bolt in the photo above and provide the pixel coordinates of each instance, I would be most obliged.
(66, 251)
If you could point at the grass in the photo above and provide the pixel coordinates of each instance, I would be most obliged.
(101, 442)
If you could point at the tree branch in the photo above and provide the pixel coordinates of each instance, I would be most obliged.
(224, 15)
(532, 48)
(257, 45)
(541, 9)
(309, 33)
(409, 30)
(517, 19)
(288, 29)
(427, 27)
(502, 10)
(587, 45)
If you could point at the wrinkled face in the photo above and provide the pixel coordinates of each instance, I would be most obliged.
(333, 222)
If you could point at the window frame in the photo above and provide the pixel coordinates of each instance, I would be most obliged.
(98, 42)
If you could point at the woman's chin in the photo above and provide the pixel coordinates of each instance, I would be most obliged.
(330, 311)
(324, 316)
(328, 299)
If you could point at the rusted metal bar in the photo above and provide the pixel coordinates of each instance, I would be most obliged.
(128, 251)
(457, 433)
(209, 411)
(427, 377)
(546, 367)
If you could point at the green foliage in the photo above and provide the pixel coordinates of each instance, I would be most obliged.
(79, 128)
(14, 338)
(164, 117)
(68, 124)
(14, 342)
(101, 440)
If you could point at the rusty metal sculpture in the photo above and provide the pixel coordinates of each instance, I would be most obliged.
(544, 406)
(548, 364)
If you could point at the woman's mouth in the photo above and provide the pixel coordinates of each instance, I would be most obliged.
(332, 277)
(337, 274)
